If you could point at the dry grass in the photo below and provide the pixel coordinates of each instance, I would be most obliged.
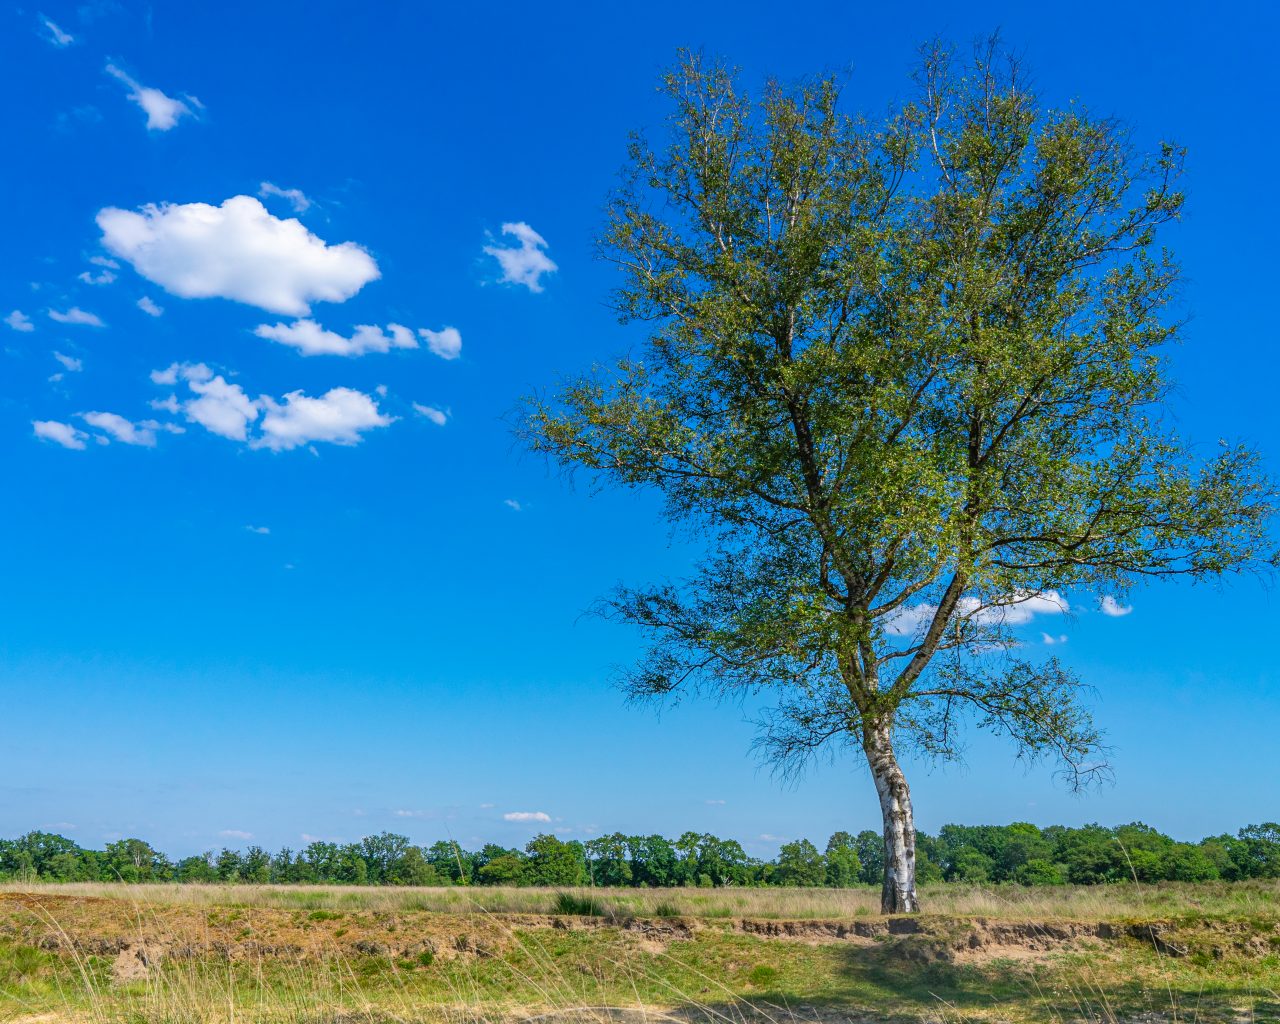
(1008, 902)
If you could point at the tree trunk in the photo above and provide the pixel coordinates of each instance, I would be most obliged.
(898, 895)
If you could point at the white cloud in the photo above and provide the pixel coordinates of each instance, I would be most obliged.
(297, 199)
(769, 837)
(487, 807)
(437, 416)
(60, 433)
(1110, 606)
(714, 803)
(101, 277)
(76, 315)
(542, 816)
(264, 530)
(309, 338)
(446, 343)
(70, 364)
(526, 263)
(163, 112)
(235, 833)
(125, 431)
(103, 261)
(339, 416)
(1015, 610)
(1061, 638)
(411, 814)
(512, 504)
(236, 251)
(19, 321)
(148, 306)
(221, 408)
(57, 36)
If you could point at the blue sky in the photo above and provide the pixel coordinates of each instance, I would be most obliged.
(341, 600)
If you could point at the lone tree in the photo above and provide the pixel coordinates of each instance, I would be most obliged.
(904, 379)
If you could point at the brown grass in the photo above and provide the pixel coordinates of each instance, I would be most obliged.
(1008, 902)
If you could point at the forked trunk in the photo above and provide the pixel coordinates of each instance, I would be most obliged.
(898, 895)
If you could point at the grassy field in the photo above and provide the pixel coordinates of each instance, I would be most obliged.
(155, 954)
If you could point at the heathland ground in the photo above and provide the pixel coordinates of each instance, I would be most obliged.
(171, 953)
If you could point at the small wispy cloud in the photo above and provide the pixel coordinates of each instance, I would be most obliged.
(437, 416)
(163, 112)
(264, 530)
(235, 833)
(1061, 638)
(116, 427)
(19, 321)
(714, 803)
(769, 837)
(59, 433)
(1110, 606)
(76, 315)
(512, 504)
(69, 363)
(522, 264)
(526, 816)
(445, 343)
(56, 35)
(294, 196)
(148, 306)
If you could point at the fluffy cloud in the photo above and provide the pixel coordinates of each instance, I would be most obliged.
(163, 112)
(541, 816)
(524, 263)
(57, 36)
(76, 315)
(309, 338)
(125, 431)
(1015, 610)
(339, 416)
(218, 406)
(60, 433)
(148, 306)
(437, 416)
(69, 363)
(19, 321)
(1110, 606)
(446, 343)
(236, 251)
(295, 196)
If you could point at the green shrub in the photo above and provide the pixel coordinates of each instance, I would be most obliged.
(579, 906)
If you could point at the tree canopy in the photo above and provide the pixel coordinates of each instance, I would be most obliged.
(906, 380)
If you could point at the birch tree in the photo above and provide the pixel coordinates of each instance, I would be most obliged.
(905, 379)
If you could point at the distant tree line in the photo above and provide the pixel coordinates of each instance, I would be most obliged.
(1019, 853)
